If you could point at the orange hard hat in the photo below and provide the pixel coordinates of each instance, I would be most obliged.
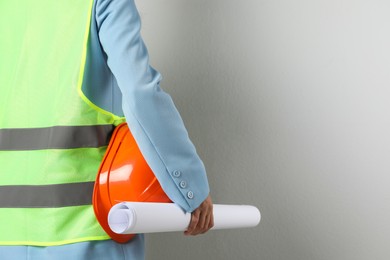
(123, 175)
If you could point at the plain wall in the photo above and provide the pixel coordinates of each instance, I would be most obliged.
(288, 104)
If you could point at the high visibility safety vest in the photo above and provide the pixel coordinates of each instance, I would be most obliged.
(52, 137)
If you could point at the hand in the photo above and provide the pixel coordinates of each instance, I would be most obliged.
(202, 218)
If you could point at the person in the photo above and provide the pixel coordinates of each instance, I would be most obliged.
(70, 71)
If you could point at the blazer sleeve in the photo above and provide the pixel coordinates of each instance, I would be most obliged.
(150, 112)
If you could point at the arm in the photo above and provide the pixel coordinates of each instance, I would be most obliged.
(151, 115)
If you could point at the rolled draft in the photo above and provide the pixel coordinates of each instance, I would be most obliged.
(141, 217)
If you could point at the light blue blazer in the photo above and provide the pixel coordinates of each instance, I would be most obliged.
(120, 80)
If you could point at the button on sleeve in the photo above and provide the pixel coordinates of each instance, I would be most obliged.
(176, 173)
(190, 195)
(183, 184)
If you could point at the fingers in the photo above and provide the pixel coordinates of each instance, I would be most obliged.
(193, 223)
(209, 223)
(202, 219)
(206, 221)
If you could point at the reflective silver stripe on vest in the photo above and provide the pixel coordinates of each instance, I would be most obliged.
(46, 196)
(57, 137)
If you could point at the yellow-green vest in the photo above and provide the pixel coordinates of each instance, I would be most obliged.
(52, 137)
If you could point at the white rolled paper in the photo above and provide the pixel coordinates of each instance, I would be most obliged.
(146, 217)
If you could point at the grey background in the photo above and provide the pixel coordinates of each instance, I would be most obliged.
(288, 105)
